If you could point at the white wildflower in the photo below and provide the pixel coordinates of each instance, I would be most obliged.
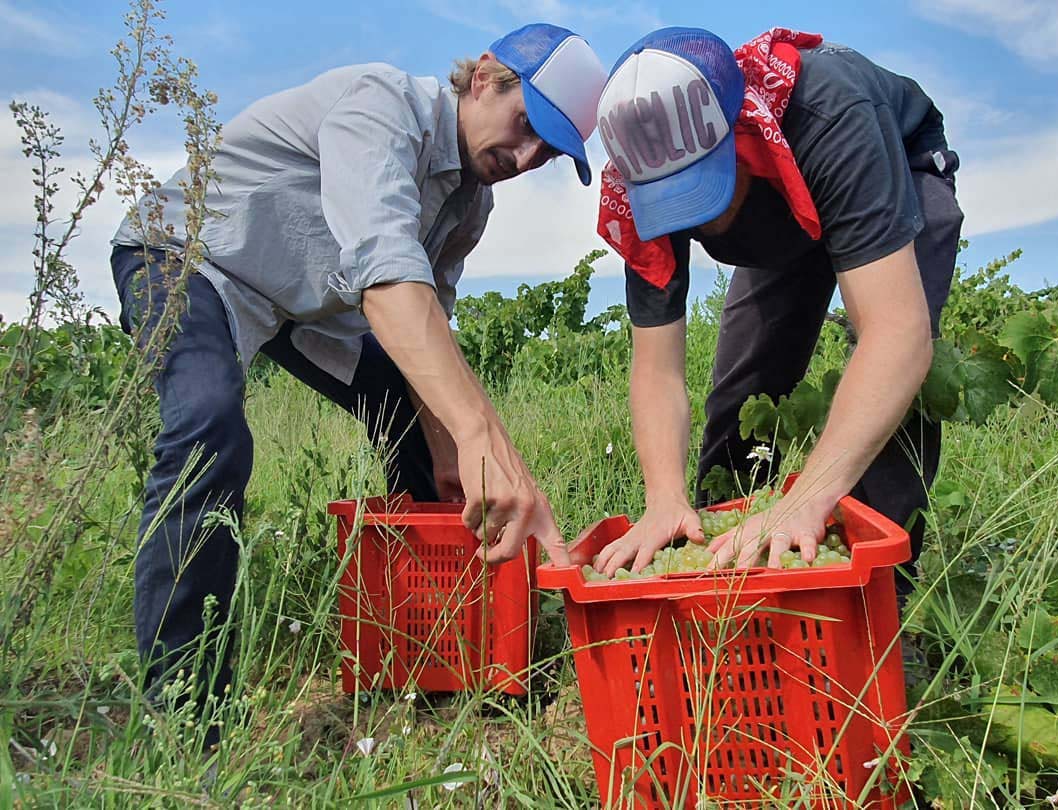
(410, 697)
(103, 709)
(366, 746)
(760, 453)
(405, 730)
(280, 534)
(455, 767)
(294, 627)
(609, 448)
(871, 763)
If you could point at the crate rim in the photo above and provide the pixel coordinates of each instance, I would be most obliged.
(398, 510)
(893, 548)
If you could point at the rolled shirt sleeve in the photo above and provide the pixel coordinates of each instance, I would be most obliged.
(369, 147)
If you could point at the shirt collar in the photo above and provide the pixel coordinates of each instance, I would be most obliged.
(445, 156)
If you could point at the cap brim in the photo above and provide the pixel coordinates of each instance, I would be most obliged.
(695, 195)
(556, 129)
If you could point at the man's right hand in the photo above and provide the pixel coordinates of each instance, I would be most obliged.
(504, 504)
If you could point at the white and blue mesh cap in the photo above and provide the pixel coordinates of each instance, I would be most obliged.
(562, 79)
(666, 118)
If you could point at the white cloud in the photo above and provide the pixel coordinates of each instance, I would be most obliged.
(1027, 27)
(1008, 156)
(543, 224)
(20, 28)
(1013, 185)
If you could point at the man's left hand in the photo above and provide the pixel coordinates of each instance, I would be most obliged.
(775, 530)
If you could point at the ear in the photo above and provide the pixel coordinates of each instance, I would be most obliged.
(481, 78)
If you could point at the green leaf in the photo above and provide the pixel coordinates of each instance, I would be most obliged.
(1043, 676)
(719, 482)
(1047, 371)
(758, 417)
(986, 376)
(994, 657)
(952, 779)
(940, 390)
(802, 411)
(950, 495)
(1038, 629)
(1033, 337)
(1029, 730)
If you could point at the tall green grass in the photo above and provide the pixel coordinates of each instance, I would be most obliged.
(77, 731)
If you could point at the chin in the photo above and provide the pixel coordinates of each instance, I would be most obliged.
(483, 177)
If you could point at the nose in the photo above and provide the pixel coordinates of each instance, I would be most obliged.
(532, 152)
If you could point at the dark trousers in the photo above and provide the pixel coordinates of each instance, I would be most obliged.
(768, 331)
(183, 558)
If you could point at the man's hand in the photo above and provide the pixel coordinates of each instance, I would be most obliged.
(504, 504)
(660, 524)
(782, 527)
(413, 329)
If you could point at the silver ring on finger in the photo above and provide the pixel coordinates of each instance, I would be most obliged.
(777, 535)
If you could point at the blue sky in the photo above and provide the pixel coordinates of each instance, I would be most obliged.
(991, 67)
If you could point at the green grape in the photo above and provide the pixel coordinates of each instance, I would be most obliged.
(693, 557)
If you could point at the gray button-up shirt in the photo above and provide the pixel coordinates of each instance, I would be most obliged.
(327, 189)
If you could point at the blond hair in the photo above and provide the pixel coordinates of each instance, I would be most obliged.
(501, 76)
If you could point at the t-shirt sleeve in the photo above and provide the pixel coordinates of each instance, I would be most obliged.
(857, 173)
(649, 305)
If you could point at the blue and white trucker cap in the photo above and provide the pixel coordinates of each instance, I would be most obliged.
(666, 117)
(561, 82)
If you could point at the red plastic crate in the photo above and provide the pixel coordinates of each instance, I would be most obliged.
(717, 685)
(413, 601)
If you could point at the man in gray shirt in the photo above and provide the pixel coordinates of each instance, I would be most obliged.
(344, 210)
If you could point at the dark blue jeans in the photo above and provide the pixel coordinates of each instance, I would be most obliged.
(182, 557)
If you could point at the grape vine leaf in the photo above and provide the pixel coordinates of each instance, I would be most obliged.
(802, 411)
(758, 417)
(986, 376)
(940, 390)
(1033, 336)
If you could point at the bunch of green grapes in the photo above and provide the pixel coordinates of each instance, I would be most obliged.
(694, 557)
(832, 551)
(715, 524)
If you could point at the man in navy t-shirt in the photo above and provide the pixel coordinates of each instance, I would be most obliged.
(805, 166)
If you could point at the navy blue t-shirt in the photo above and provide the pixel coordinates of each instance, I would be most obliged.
(856, 132)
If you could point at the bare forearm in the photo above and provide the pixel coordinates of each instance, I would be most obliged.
(661, 427)
(411, 326)
(882, 378)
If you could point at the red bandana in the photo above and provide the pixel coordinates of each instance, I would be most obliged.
(770, 63)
